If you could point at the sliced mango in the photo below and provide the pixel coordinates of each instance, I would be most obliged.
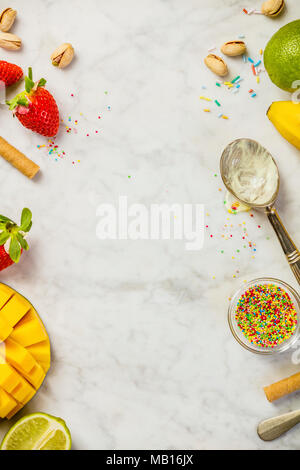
(5, 329)
(7, 403)
(29, 330)
(41, 353)
(45, 366)
(16, 354)
(24, 362)
(14, 411)
(12, 382)
(14, 310)
(5, 294)
(24, 352)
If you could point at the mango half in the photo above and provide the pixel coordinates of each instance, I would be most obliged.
(285, 115)
(24, 352)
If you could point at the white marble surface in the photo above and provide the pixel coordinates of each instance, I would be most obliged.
(142, 354)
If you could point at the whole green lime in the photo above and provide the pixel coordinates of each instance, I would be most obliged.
(282, 56)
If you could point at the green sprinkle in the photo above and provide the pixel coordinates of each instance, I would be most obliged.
(236, 79)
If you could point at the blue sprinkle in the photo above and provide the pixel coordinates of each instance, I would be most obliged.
(253, 95)
(257, 63)
(250, 60)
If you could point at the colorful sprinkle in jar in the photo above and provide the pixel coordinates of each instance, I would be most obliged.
(264, 316)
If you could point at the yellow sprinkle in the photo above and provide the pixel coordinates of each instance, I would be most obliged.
(206, 110)
(257, 79)
(227, 83)
(204, 98)
(225, 117)
(261, 52)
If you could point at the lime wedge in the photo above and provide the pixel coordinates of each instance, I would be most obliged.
(38, 431)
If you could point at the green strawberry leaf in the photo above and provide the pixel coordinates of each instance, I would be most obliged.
(4, 236)
(42, 82)
(20, 99)
(26, 219)
(27, 228)
(22, 241)
(23, 102)
(14, 250)
(29, 84)
(4, 219)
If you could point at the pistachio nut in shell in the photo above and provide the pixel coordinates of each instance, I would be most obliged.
(63, 55)
(272, 7)
(216, 64)
(234, 48)
(10, 41)
(7, 19)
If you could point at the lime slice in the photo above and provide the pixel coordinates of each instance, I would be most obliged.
(38, 431)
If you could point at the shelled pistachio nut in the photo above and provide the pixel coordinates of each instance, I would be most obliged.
(216, 64)
(63, 55)
(7, 19)
(234, 48)
(272, 7)
(10, 41)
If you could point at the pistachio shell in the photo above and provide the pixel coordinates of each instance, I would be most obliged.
(10, 41)
(234, 48)
(272, 7)
(7, 19)
(216, 64)
(63, 55)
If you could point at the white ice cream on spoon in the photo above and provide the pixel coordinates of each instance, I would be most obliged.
(251, 172)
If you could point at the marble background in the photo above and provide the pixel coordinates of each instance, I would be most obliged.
(142, 354)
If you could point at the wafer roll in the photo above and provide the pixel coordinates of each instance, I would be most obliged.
(283, 387)
(18, 159)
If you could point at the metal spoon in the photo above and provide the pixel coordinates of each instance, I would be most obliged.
(229, 158)
(272, 428)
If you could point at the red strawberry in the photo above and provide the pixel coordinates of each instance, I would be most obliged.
(14, 233)
(36, 108)
(10, 73)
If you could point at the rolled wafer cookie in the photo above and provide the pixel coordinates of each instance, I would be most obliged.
(283, 387)
(18, 159)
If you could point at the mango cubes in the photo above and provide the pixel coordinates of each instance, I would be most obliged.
(24, 352)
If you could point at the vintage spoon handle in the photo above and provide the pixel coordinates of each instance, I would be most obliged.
(288, 246)
(272, 428)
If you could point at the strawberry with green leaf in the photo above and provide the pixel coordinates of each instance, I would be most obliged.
(12, 241)
(36, 108)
